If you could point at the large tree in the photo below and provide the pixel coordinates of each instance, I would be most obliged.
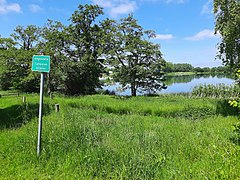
(16, 58)
(6, 62)
(227, 14)
(84, 49)
(28, 37)
(26, 41)
(54, 42)
(137, 61)
(74, 51)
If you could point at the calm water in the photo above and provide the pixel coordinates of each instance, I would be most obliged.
(178, 84)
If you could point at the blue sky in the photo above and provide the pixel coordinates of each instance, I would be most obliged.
(184, 28)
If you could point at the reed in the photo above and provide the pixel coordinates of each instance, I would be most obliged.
(216, 91)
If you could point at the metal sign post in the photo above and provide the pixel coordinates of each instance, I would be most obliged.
(40, 114)
(41, 64)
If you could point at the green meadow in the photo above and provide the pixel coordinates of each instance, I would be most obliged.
(111, 137)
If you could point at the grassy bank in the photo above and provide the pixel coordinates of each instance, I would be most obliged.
(107, 137)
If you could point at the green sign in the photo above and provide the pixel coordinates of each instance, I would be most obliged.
(41, 63)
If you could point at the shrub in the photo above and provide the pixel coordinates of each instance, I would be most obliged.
(236, 133)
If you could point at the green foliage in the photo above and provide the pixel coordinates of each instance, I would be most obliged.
(168, 67)
(54, 44)
(80, 53)
(74, 51)
(227, 25)
(182, 67)
(84, 47)
(216, 91)
(220, 69)
(235, 103)
(235, 136)
(137, 62)
(27, 37)
(6, 74)
(185, 67)
(16, 58)
(30, 83)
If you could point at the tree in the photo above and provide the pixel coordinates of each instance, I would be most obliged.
(17, 53)
(136, 61)
(169, 67)
(84, 49)
(54, 43)
(27, 37)
(26, 42)
(6, 73)
(182, 67)
(228, 24)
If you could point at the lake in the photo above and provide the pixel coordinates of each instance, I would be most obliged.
(177, 84)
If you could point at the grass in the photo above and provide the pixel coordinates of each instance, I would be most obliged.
(110, 137)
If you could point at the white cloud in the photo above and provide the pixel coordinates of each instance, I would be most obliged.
(117, 7)
(103, 3)
(6, 7)
(204, 34)
(207, 7)
(123, 9)
(165, 1)
(35, 8)
(164, 36)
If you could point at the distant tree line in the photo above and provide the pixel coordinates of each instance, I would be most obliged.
(80, 53)
(185, 67)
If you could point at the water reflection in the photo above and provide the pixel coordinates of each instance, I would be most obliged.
(188, 78)
(178, 84)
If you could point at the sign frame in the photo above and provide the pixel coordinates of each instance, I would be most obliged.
(41, 63)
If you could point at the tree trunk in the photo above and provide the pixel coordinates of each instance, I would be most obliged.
(133, 89)
(133, 83)
(48, 84)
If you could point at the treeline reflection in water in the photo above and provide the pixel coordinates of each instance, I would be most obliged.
(178, 84)
(188, 78)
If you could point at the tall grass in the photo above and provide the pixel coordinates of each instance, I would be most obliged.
(108, 137)
(217, 91)
(165, 106)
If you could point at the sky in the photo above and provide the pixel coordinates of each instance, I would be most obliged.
(184, 28)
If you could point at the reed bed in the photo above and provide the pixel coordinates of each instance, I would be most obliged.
(217, 91)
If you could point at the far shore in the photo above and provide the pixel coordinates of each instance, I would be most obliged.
(189, 73)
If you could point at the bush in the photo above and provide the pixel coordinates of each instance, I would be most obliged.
(236, 133)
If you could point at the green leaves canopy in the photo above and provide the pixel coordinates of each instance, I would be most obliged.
(227, 14)
(80, 53)
(137, 62)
